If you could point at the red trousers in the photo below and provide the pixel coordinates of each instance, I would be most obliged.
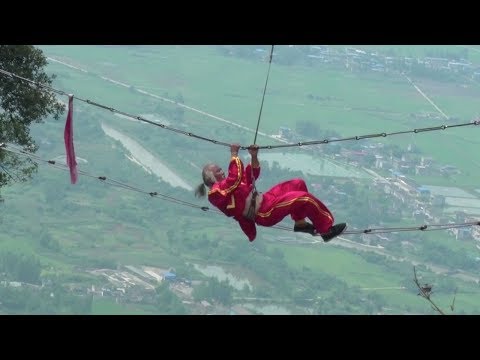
(292, 198)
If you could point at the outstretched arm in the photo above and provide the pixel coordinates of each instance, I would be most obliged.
(255, 164)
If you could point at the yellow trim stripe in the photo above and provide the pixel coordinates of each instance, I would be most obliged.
(222, 192)
(232, 204)
(240, 173)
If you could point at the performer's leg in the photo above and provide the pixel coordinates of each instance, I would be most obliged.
(279, 190)
(297, 204)
(287, 186)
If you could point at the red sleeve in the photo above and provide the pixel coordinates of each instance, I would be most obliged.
(235, 173)
(248, 228)
(248, 173)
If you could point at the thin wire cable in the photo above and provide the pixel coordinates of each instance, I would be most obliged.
(8, 173)
(113, 110)
(254, 186)
(263, 97)
(369, 136)
(104, 179)
(217, 142)
(425, 227)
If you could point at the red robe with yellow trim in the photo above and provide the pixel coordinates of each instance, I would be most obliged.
(292, 198)
(229, 195)
(289, 198)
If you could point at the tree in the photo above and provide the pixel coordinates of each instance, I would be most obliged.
(19, 266)
(21, 104)
(47, 241)
(214, 290)
(167, 303)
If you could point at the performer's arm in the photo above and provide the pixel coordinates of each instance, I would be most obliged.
(255, 164)
(235, 173)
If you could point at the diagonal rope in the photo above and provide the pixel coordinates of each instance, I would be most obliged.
(263, 97)
(425, 227)
(254, 193)
(44, 87)
(8, 173)
(169, 198)
(371, 231)
(369, 136)
(254, 187)
(104, 179)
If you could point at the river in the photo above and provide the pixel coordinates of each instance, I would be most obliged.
(148, 161)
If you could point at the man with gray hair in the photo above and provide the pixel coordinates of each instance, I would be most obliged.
(236, 197)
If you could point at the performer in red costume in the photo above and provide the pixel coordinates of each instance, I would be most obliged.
(236, 197)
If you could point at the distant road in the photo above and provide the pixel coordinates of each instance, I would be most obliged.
(218, 118)
(166, 100)
(385, 288)
(468, 47)
(380, 250)
(437, 269)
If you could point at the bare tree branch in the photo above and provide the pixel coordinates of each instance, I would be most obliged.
(425, 292)
(6, 172)
(452, 306)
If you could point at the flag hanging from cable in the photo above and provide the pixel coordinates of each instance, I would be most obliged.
(68, 137)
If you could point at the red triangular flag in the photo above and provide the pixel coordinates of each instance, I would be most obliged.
(68, 137)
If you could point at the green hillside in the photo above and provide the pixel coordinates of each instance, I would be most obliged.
(72, 230)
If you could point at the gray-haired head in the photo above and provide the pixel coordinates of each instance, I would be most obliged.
(211, 173)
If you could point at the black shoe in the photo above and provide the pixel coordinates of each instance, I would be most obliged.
(334, 231)
(307, 228)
